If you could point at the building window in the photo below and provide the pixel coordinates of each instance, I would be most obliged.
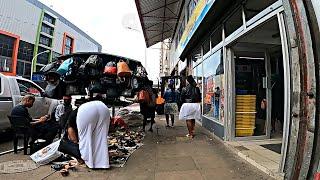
(55, 55)
(47, 29)
(68, 44)
(233, 22)
(25, 51)
(44, 57)
(45, 41)
(213, 87)
(49, 19)
(254, 7)
(8, 52)
(6, 45)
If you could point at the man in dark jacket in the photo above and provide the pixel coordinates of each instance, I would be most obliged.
(41, 128)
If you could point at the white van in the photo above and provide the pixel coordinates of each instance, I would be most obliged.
(12, 89)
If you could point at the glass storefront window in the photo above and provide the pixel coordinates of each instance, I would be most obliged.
(213, 87)
(197, 75)
(234, 22)
(216, 37)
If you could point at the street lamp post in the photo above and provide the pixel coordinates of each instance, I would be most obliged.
(32, 61)
(145, 49)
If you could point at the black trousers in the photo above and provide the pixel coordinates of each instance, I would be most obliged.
(46, 131)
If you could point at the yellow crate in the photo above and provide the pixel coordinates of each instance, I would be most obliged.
(245, 100)
(248, 116)
(243, 109)
(244, 131)
(246, 96)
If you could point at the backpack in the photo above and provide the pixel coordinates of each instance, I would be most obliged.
(193, 94)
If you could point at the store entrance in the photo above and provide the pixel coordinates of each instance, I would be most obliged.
(259, 83)
(259, 94)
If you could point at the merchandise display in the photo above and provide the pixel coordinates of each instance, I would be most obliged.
(122, 144)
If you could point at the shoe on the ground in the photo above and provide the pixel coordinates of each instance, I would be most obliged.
(167, 126)
(151, 130)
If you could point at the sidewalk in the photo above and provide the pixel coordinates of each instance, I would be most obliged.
(166, 154)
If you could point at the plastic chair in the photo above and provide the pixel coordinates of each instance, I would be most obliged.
(20, 126)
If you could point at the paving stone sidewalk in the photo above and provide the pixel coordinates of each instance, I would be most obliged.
(166, 154)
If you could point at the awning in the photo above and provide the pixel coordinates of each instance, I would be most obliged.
(158, 19)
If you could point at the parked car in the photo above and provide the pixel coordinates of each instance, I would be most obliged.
(12, 90)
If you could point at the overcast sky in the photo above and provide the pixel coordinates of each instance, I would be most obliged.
(106, 21)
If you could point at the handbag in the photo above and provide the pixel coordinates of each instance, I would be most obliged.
(123, 69)
(110, 68)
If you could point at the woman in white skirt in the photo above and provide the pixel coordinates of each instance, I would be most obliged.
(93, 119)
(190, 109)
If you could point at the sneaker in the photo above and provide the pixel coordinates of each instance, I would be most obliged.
(167, 126)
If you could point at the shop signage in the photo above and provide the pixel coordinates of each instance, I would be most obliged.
(197, 16)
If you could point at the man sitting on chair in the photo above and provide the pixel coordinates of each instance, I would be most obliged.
(38, 128)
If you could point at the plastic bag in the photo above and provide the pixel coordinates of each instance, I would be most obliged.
(47, 154)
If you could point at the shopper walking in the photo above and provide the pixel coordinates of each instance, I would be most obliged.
(170, 106)
(148, 106)
(190, 110)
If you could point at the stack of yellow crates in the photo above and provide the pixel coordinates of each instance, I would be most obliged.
(245, 115)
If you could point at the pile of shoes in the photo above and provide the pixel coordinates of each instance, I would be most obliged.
(122, 144)
(131, 118)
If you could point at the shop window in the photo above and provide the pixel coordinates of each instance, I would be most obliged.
(216, 37)
(44, 57)
(254, 7)
(197, 74)
(47, 29)
(213, 87)
(45, 41)
(196, 55)
(49, 19)
(206, 46)
(234, 22)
